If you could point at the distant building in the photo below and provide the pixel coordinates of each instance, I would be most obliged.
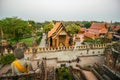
(116, 30)
(96, 30)
(58, 36)
(79, 37)
(82, 30)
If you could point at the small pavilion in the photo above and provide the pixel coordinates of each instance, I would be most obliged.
(58, 37)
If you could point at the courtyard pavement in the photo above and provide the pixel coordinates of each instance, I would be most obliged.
(43, 41)
(68, 55)
(62, 57)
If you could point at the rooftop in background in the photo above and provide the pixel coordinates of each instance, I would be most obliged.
(98, 26)
(116, 28)
(96, 30)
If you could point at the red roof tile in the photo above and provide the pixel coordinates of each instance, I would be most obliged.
(89, 35)
(96, 29)
(98, 25)
(116, 28)
(82, 29)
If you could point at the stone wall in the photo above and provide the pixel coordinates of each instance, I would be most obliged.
(84, 47)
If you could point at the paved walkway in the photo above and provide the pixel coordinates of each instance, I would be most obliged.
(43, 41)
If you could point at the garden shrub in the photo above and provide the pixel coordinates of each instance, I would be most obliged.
(63, 73)
(39, 39)
(7, 59)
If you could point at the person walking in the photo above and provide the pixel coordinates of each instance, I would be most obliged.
(77, 59)
(68, 63)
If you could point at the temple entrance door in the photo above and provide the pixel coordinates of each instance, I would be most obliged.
(56, 43)
(50, 41)
(62, 39)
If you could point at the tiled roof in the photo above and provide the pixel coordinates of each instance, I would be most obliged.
(89, 35)
(98, 25)
(96, 29)
(82, 29)
(54, 29)
(104, 31)
(116, 28)
(93, 30)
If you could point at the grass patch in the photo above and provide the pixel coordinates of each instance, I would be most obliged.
(27, 41)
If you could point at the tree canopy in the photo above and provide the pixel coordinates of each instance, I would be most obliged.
(86, 24)
(48, 27)
(15, 28)
(73, 28)
(34, 25)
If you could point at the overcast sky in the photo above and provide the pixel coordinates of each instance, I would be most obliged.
(47, 10)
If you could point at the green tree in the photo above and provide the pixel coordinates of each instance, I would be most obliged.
(73, 28)
(48, 27)
(1, 30)
(33, 25)
(86, 24)
(15, 28)
(116, 23)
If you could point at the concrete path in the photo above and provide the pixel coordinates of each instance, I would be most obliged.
(43, 41)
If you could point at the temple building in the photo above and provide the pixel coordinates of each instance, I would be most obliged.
(96, 30)
(58, 37)
(116, 30)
